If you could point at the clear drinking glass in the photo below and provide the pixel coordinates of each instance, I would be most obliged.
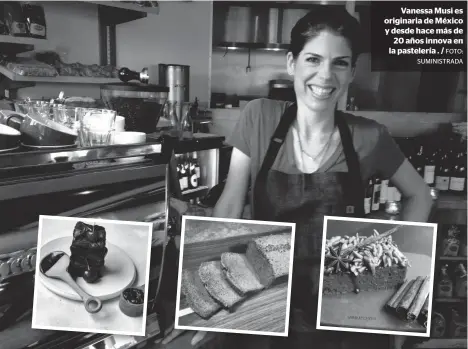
(186, 123)
(96, 126)
(67, 116)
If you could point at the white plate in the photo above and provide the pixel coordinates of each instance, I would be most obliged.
(118, 274)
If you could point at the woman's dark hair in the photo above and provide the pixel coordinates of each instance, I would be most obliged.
(326, 17)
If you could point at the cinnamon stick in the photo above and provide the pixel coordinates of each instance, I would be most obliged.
(424, 312)
(396, 298)
(370, 240)
(419, 300)
(405, 303)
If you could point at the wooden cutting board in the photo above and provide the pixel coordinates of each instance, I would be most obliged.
(366, 309)
(264, 311)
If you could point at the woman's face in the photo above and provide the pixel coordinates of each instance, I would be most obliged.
(322, 71)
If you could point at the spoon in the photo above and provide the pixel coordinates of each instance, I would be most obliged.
(54, 265)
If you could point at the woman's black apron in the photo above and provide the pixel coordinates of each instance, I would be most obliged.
(305, 199)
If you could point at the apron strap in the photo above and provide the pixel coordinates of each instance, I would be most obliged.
(352, 161)
(277, 139)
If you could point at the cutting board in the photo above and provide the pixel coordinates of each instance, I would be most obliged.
(366, 309)
(119, 272)
(265, 311)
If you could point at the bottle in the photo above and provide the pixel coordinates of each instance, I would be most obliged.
(430, 167)
(442, 174)
(451, 243)
(445, 284)
(196, 165)
(383, 193)
(368, 197)
(183, 174)
(438, 325)
(419, 161)
(460, 281)
(193, 182)
(458, 174)
(457, 326)
(376, 195)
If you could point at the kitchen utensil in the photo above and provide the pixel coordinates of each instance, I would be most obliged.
(119, 272)
(132, 301)
(96, 126)
(177, 78)
(37, 131)
(9, 137)
(140, 105)
(54, 265)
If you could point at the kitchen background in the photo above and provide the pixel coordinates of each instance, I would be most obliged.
(234, 52)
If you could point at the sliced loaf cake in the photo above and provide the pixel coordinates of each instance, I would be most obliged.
(217, 285)
(197, 296)
(240, 273)
(269, 256)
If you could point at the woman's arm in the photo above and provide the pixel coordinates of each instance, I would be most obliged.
(232, 200)
(416, 196)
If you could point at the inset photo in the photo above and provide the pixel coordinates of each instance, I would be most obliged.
(235, 276)
(377, 276)
(91, 275)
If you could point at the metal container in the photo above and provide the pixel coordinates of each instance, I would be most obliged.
(273, 22)
(177, 78)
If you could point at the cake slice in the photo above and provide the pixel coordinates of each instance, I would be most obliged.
(240, 273)
(88, 251)
(197, 296)
(217, 285)
(269, 256)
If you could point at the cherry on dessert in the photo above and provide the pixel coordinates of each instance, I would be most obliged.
(90, 275)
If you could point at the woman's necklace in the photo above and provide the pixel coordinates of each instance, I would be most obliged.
(321, 153)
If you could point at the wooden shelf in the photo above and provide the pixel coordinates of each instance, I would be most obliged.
(443, 343)
(453, 259)
(450, 300)
(20, 40)
(57, 79)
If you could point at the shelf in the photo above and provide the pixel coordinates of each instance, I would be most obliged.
(20, 40)
(57, 79)
(453, 259)
(450, 300)
(443, 343)
(451, 201)
(250, 46)
(126, 6)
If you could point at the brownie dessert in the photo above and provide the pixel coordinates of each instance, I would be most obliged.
(352, 264)
(88, 251)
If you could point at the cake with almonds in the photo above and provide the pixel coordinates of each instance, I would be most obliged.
(354, 264)
(88, 252)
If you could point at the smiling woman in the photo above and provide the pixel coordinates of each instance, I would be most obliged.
(305, 160)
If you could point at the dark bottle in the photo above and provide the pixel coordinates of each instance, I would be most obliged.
(430, 167)
(458, 174)
(442, 174)
(419, 161)
(445, 285)
(35, 19)
(368, 196)
(376, 195)
(196, 164)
